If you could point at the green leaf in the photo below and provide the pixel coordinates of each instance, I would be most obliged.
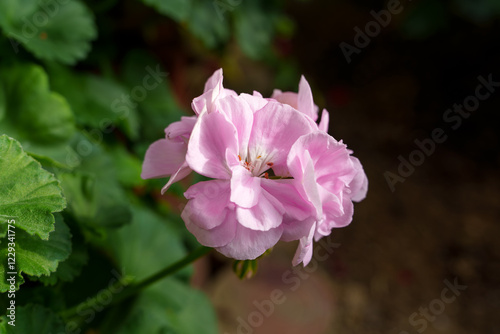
(33, 255)
(79, 189)
(206, 24)
(34, 113)
(178, 10)
(28, 193)
(51, 30)
(113, 209)
(170, 307)
(145, 246)
(160, 107)
(40, 119)
(95, 197)
(129, 173)
(97, 102)
(33, 319)
(69, 268)
(254, 28)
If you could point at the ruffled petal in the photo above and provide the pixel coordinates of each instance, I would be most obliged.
(213, 91)
(219, 236)
(333, 167)
(295, 229)
(301, 167)
(163, 158)
(245, 188)
(249, 244)
(359, 185)
(265, 215)
(276, 127)
(255, 101)
(296, 207)
(238, 112)
(208, 203)
(212, 136)
(337, 214)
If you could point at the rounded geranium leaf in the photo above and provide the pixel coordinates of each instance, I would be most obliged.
(51, 30)
(28, 193)
(34, 256)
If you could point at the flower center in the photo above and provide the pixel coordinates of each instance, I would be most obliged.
(258, 167)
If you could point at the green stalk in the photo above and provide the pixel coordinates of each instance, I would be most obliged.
(134, 288)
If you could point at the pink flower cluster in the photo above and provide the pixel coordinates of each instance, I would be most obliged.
(277, 174)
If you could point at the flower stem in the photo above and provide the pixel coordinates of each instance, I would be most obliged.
(133, 288)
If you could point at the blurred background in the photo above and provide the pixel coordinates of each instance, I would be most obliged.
(420, 230)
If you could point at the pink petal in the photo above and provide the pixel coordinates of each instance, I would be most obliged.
(325, 121)
(336, 216)
(213, 91)
(255, 101)
(286, 192)
(305, 248)
(276, 127)
(305, 102)
(238, 112)
(181, 173)
(163, 158)
(219, 236)
(212, 136)
(301, 167)
(245, 188)
(257, 94)
(289, 98)
(265, 215)
(249, 244)
(208, 203)
(333, 167)
(295, 229)
(181, 129)
(215, 81)
(359, 185)
(276, 92)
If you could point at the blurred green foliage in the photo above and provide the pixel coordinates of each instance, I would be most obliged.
(83, 93)
(77, 115)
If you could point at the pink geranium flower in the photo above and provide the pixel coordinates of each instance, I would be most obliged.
(239, 148)
(277, 175)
